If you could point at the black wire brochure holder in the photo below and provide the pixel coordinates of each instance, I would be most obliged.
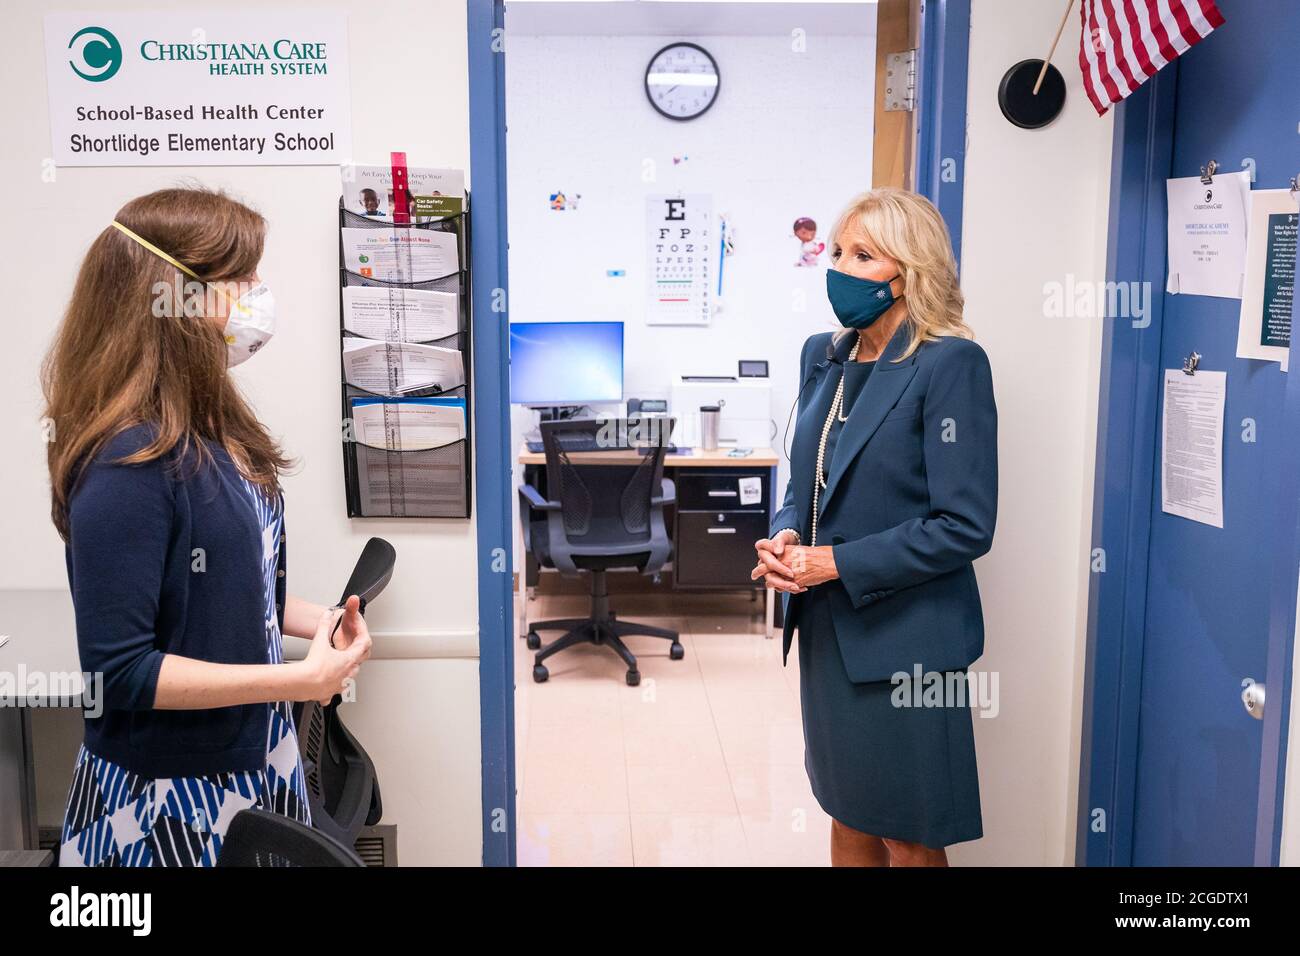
(395, 464)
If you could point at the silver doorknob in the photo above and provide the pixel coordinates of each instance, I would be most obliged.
(1252, 696)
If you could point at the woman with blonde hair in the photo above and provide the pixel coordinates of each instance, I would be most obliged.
(892, 496)
(166, 491)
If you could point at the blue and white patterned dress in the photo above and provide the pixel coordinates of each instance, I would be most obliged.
(118, 818)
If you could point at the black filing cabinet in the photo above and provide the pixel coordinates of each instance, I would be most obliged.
(720, 514)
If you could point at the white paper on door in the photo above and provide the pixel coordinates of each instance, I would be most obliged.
(1191, 451)
(1207, 234)
(1264, 324)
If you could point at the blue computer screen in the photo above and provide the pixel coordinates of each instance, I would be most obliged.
(566, 363)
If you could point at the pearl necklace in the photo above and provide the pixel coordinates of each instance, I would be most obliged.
(836, 404)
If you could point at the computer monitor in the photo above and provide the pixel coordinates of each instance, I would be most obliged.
(566, 363)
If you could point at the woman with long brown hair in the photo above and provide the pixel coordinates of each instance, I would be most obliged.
(166, 490)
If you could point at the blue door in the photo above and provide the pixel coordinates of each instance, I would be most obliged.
(1183, 773)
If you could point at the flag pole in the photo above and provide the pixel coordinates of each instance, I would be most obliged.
(1069, 5)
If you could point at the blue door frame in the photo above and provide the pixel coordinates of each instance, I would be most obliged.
(942, 67)
(492, 467)
(1125, 481)
(941, 163)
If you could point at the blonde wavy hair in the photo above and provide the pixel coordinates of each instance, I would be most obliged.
(906, 227)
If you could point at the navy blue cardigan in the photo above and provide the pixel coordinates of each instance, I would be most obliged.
(142, 588)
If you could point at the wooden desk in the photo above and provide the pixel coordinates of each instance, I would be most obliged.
(713, 524)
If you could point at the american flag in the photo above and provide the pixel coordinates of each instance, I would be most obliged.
(1126, 41)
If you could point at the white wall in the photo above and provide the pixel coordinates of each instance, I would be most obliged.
(419, 718)
(1035, 212)
(789, 136)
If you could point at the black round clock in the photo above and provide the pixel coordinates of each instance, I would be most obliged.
(682, 81)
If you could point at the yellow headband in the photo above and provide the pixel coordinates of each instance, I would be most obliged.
(157, 252)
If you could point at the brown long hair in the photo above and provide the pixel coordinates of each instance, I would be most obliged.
(116, 363)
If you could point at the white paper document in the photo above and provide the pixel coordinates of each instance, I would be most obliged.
(751, 490)
(1191, 452)
(1264, 324)
(400, 254)
(390, 368)
(1207, 234)
(412, 424)
(400, 315)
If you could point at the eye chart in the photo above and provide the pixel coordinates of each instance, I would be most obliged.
(679, 254)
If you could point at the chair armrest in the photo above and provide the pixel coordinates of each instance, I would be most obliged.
(533, 498)
(667, 494)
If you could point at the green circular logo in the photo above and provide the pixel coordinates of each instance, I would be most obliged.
(98, 51)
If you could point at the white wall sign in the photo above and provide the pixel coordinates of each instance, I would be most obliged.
(1264, 325)
(258, 88)
(679, 251)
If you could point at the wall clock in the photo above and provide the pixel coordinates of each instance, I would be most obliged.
(682, 81)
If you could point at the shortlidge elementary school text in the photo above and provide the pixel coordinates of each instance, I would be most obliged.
(145, 144)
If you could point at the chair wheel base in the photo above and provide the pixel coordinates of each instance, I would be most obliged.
(676, 652)
(540, 674)
(534, 640)
(633, 678)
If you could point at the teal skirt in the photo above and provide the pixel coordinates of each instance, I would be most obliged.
(906, 773)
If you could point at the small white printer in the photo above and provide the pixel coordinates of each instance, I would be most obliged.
(745, 403)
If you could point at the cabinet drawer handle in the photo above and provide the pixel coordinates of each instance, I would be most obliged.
(722, 494)
(721, 530)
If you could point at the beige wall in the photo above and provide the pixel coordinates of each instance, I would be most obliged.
(1035, 212)
(418, 713)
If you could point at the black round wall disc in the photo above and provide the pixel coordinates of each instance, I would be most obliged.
(1018, 102)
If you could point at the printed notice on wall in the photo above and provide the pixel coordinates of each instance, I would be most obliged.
(1264, 325)
(195, 88)
(678, 251)
(1207, 234)
(1191, 456)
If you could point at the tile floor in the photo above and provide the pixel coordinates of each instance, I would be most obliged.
(700, 765)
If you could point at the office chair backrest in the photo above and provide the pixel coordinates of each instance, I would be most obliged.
(342, 786)
(264, 838)
(605, 504)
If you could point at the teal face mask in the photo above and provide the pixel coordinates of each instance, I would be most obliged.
(857, 302)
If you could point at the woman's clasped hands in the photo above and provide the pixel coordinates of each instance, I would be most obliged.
(786, 566)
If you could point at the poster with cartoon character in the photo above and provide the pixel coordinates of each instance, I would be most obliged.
(810, 247)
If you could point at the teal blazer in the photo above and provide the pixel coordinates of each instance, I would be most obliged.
(909, 503)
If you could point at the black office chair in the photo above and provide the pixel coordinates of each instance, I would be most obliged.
(596, 517)
(342, 787)
(264, 838)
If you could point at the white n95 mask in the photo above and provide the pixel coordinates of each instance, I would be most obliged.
(250, 325)
(251, 320)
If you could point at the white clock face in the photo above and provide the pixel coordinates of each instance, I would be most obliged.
(682, 81)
